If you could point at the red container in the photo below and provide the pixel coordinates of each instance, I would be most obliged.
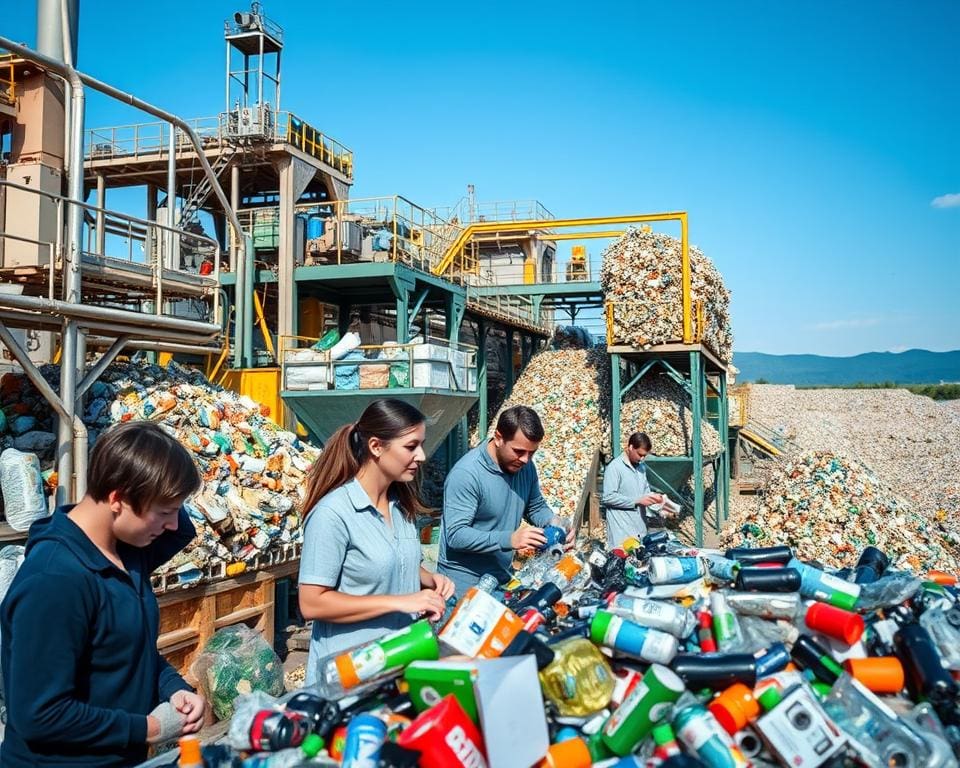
(445, 737)
(835, 622)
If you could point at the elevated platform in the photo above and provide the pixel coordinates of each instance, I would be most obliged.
(324, 411)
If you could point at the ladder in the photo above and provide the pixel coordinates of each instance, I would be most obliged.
(200, 193)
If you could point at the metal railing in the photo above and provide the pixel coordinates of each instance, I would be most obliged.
(438, 364)
(8, 80)
(232, 26)
(152, 139)
(105, 229)
(467, 212)
(377, 229)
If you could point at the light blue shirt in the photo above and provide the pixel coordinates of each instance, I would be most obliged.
(482, 507)
(348, 547)
(623, 484)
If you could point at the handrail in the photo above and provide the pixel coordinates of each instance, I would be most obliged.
(473, 229)
(401, 354)
(8, 85)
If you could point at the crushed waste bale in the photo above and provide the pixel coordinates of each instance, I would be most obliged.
(660, 407)
(641, 276)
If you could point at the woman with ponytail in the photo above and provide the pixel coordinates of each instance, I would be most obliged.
(360, 572)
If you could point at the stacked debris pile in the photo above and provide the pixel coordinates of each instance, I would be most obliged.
(827, 506)
(660, 407)
(253, 471)
(651, 653)
(570, 390)
(908, 440)
(641, 275)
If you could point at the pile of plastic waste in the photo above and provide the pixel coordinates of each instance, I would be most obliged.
(570, 391)
(253, 471)
(828, 506)
(650, 654)
(641, 276)
(660, 407)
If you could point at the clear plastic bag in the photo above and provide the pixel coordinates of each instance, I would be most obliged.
(22, 484)
(892, 589)
(237, 661)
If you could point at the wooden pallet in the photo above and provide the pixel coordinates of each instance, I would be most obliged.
(189, 617)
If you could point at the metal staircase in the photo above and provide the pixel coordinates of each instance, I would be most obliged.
(200, 193)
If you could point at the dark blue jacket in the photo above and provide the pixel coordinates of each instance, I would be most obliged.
(78, 648)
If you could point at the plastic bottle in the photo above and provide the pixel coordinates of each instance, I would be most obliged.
(630, 639)
(810, 655)
(889, 590)
(675, 570)
(835, 622)
(882, 739)
(698, 730)
(757, 555)
(870, 566)
(766, 605)
(656, 614)
(735, 707)
(190, 756)
(488, 583)
(541, 599)
(926, 677)
(579, 680)
(944, 629)
(721, 569)
(649, 703)
(708, 643)
(879, 674)
(666, 741)
(772, 660)
(726, 629)
(365, 737)
(570, 753)
(817, 585)
(716, 671)
(568, 574)
(768, 580)
(367, 665)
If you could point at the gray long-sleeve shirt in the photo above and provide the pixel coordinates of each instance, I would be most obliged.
(623, 485)
(482, 507)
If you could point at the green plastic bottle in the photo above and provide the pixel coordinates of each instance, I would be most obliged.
(647, 704)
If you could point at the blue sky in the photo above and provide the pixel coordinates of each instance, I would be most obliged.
(807, 141)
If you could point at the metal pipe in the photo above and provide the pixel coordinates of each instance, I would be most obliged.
(101, 219)
(107, 315)
(237, 264)
(133, 101)
(157, 346)
(250, 283)
(96, 371)
(169, 259)
(31, 371)
(46, 321)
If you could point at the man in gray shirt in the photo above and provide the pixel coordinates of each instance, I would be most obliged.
(626, 491)
(486, 495)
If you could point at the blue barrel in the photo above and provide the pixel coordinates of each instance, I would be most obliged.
(314, 227)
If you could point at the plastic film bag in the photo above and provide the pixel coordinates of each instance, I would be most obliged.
(237, 661)
(22, 485)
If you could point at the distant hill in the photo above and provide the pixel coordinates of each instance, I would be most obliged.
(915, 366)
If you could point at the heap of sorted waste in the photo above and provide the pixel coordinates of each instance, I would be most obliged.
(828, 506)
(652, 653)
(908, 440)
(660, 407)
(253, 471)
(570, 390)
(641, 275)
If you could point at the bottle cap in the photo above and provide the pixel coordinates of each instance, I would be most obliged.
(663, 734)
(770, 698)
(572, 753)
(190, 751)
(941, 577)
(735, 707)
(835, 622)
(880, 674)
(312, 745)
(599, 626)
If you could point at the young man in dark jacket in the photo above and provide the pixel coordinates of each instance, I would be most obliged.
(83, 681)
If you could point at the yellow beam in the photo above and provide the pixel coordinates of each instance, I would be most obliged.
(760, 442)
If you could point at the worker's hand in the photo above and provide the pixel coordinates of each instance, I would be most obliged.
(426, 602)
(564, 522)
(443, 586)
(650, 498)
(164, 724)
(528, 538)
(192, 706)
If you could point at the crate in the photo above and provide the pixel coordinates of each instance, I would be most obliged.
(189, 617)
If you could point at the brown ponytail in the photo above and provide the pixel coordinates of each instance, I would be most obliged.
(346, 451)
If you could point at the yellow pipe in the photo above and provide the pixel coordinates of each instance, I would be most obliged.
(262, 321)
(685, 265)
